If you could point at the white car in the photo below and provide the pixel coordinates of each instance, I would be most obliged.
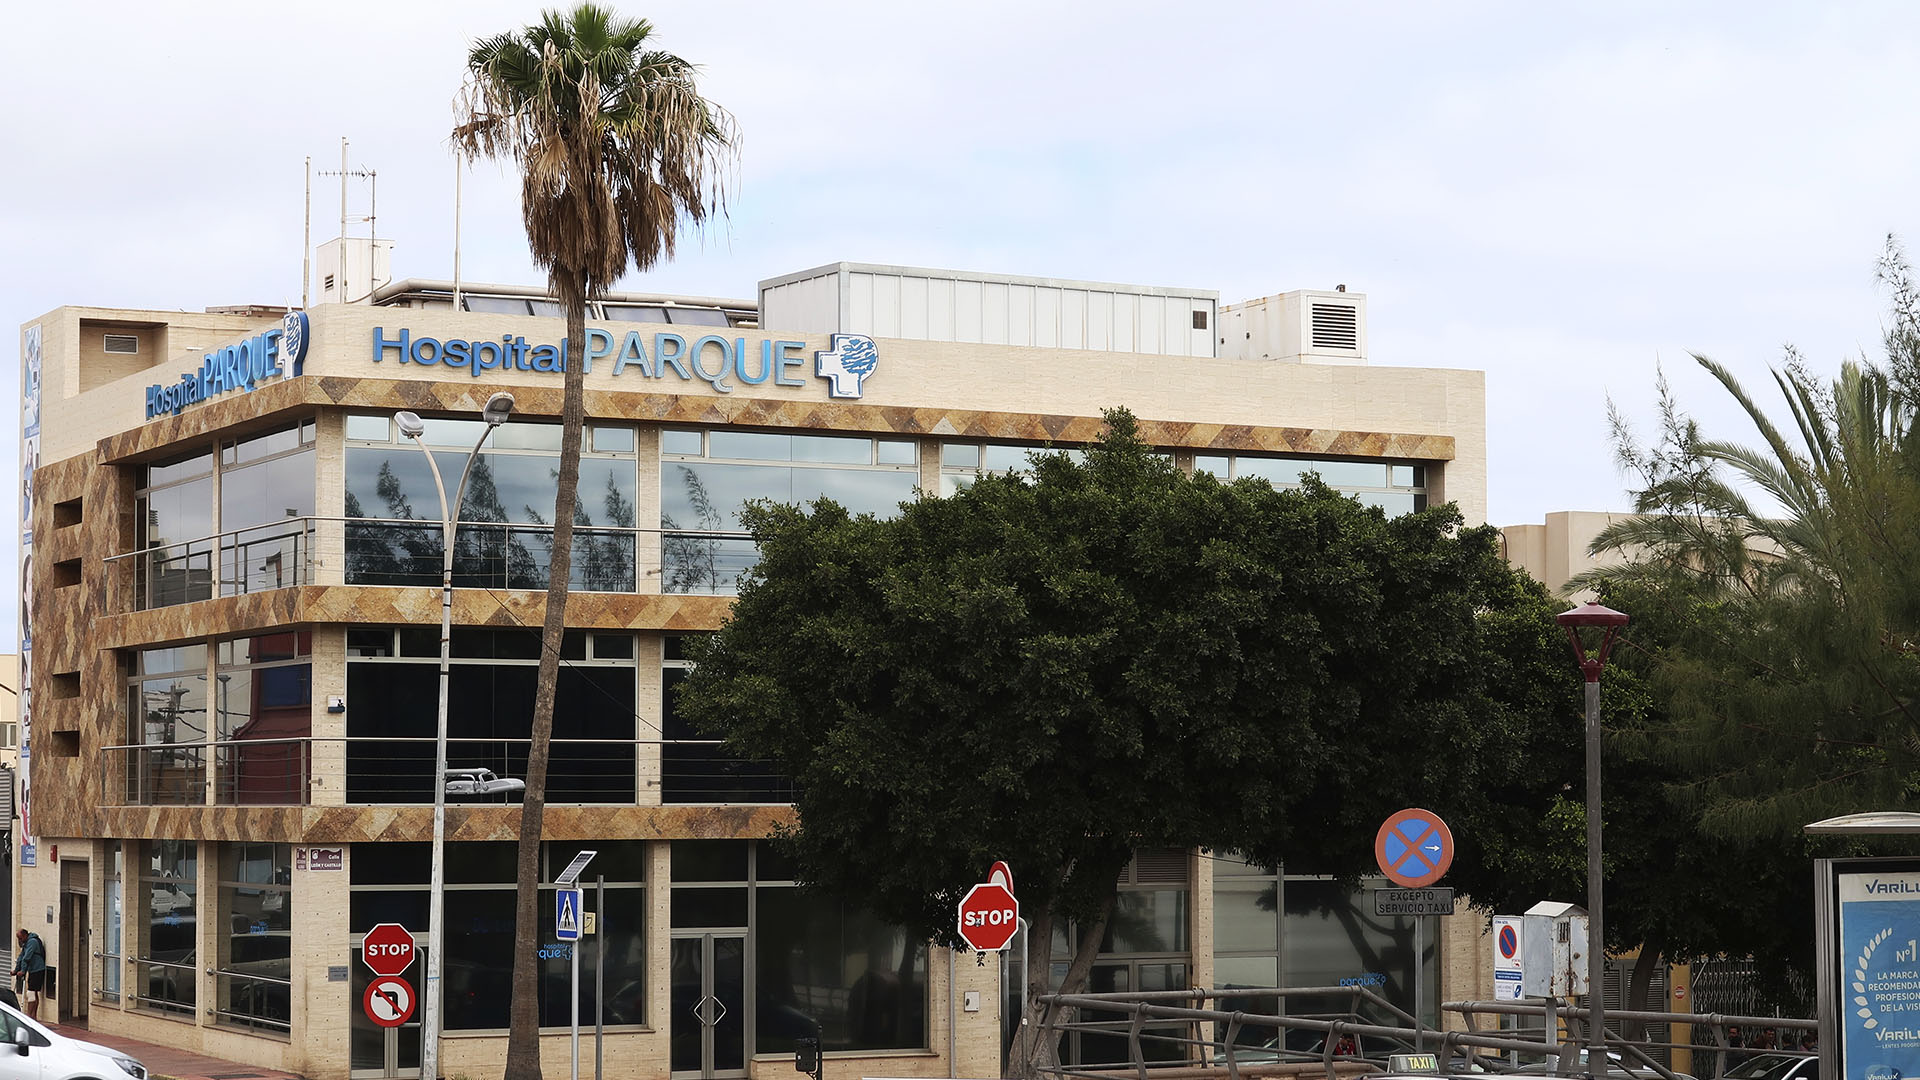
(31, 1051)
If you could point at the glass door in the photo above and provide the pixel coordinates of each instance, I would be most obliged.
(709, 974)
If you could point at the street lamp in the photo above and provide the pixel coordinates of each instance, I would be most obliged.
(497, 409)
(1609, 622)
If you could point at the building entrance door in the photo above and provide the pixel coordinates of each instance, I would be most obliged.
(76, 938)
(376, 1052)
(709, 1034)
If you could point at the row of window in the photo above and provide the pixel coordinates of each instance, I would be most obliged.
(237, 715)
(821, 967)
(238, 521)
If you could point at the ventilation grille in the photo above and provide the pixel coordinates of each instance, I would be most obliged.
(1336, 326)
(121, 344)
(1159, 866)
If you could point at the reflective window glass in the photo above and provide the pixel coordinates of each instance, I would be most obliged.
(697, 316)
(609, 439)
(833, 449)
(750, 445)
(180, 469)
(674, 441)
(375, 428)
(837, 974)
(497, 305)
(634, 313)
(965, 455)
(899, 452)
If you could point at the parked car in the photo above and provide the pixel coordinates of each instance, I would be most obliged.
(36, 1052)
(1777, 1067)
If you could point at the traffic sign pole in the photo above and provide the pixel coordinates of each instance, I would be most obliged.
(1414, 849)
(567, 910)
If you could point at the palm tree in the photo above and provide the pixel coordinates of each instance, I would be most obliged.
(617, 149)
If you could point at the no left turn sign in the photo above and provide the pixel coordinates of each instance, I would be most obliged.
(389, 1001)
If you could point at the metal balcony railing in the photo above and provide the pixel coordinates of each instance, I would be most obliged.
(383, 770)
(257, 558)
(409, 551)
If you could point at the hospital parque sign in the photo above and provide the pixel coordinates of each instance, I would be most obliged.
(279, 352)
(725, 364)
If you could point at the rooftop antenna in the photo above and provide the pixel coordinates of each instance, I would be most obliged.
(373, 194)
(306, 239)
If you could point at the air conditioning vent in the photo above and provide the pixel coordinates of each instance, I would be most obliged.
(1336, 326)
(121, 344)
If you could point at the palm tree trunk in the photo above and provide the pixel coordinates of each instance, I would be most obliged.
(523, 1032)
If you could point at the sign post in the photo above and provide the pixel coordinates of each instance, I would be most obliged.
(567, 920)
(1414, 849)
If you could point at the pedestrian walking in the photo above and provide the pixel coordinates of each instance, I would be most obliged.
(30, 967)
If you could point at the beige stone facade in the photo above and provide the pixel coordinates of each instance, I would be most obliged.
(90, 619)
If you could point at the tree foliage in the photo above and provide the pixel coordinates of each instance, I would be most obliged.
(1059, 667)
(1794, 697)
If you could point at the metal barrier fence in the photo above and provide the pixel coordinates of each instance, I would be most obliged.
(1186, 1035)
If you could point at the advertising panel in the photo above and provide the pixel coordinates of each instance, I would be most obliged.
(1879, 976)
(29, 460)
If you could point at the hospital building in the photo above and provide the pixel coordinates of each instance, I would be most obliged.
(230, 637)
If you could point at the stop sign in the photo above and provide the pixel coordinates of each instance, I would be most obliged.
(989, 916)
(388, 949)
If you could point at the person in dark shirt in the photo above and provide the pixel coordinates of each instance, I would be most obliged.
(30, 964)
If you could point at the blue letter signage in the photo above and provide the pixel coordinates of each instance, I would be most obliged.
(721, 362)
(240, 366)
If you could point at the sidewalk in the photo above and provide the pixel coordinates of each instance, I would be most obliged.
(171, 1063)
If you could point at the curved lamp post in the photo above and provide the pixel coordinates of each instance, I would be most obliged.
(499, 407)
(1609, 622)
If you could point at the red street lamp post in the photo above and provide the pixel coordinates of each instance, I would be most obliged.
(1610, 623)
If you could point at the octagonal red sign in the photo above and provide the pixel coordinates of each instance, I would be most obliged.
(989, 917)
(388, 949)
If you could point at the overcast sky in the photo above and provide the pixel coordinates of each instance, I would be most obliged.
(1567, 199)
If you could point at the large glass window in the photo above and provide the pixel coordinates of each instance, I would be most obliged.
(166, 976)
(174, 526)
(1276, 929)
(393, 697)
(706, 477)
(962, 463)
(111, 958)
(256, 537)
(263, 709)
(1146, 947)
(390, 885)
(505, 539)
(165, 758)
(252, 984)
(1398, 487)
(694, 768)
(822, 967)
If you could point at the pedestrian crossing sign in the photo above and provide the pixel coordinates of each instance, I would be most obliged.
(566, 914)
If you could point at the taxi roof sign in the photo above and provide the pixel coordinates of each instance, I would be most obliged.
(1413, 1063)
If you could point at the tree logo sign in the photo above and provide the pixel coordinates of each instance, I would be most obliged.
(847, 364)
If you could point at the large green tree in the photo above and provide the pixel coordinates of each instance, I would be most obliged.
(1060, 667)
(1673, 890)
(617, 151)
(1800, 697)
